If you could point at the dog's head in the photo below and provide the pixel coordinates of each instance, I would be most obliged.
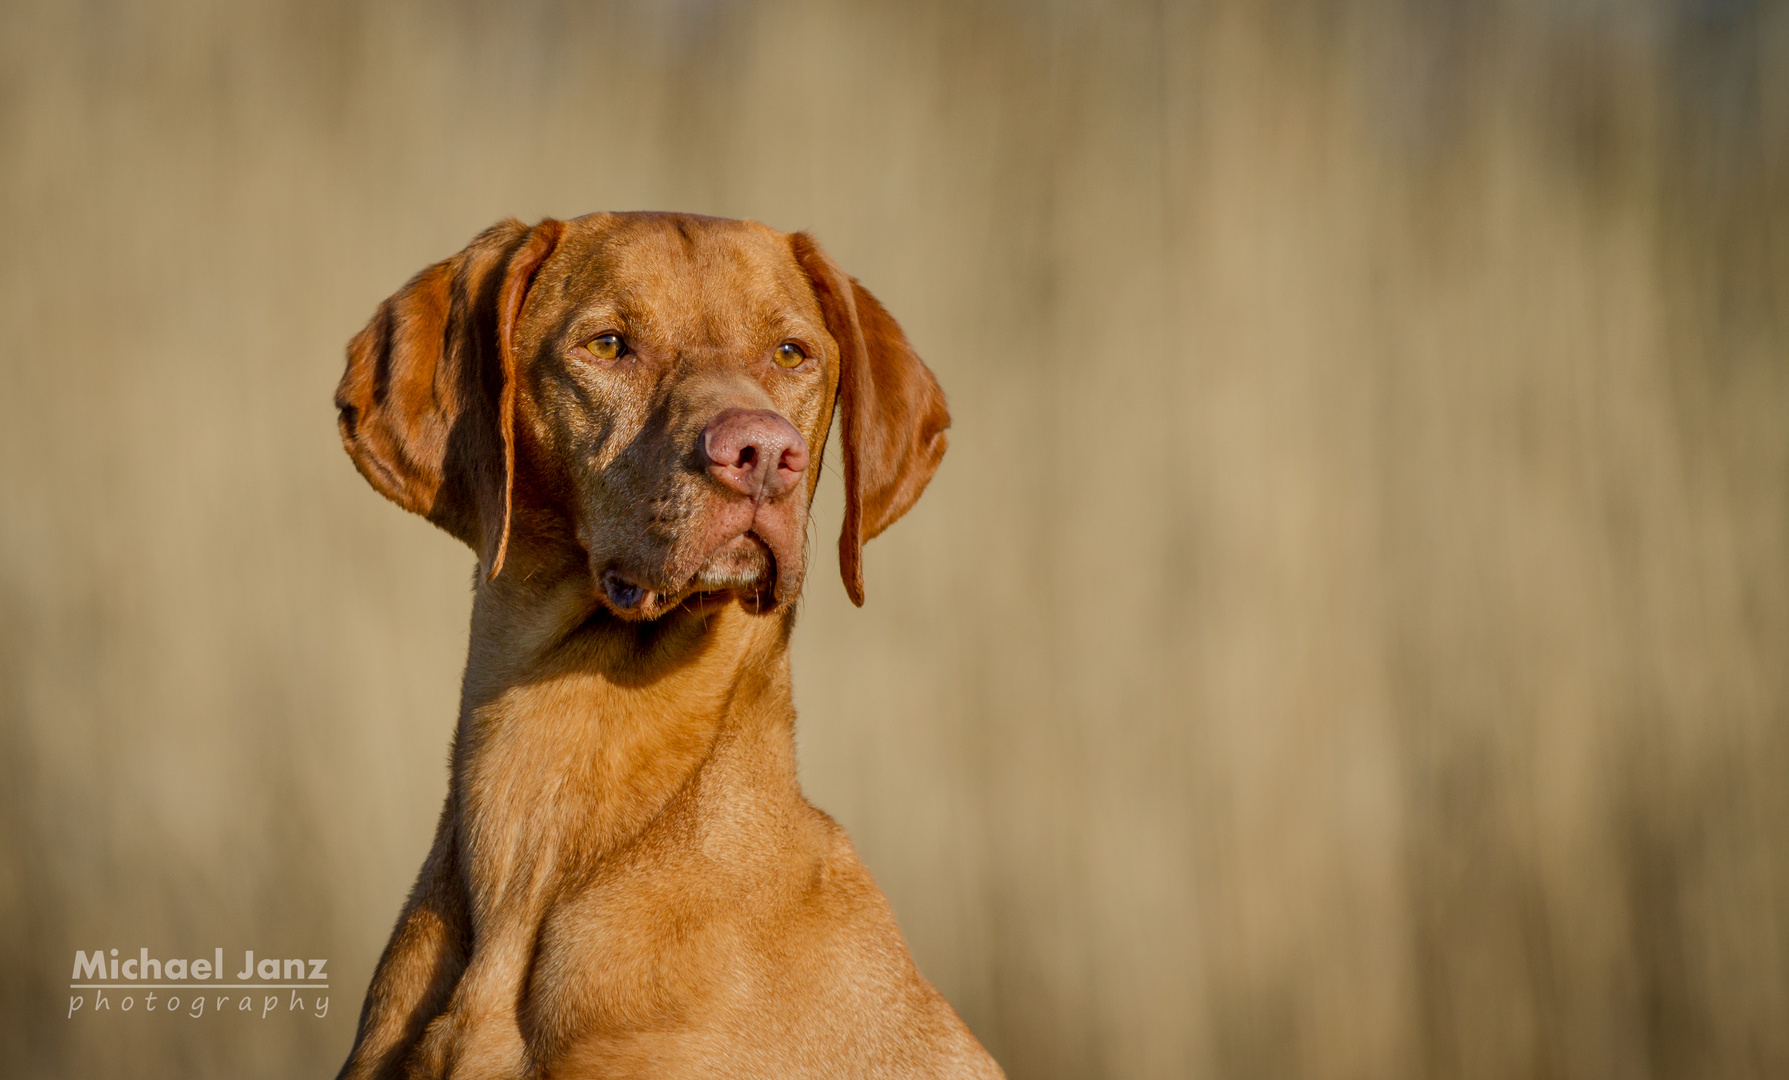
(652, 391)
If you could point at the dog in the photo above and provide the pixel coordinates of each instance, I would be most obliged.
(623, 415)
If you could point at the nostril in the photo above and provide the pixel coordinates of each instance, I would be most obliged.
(748, 456)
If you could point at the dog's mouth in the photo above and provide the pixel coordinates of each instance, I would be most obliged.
(742, 569)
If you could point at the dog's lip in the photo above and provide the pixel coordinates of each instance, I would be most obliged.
(630, 598)
(624, 594)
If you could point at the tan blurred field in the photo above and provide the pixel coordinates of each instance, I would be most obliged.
(1349, 637)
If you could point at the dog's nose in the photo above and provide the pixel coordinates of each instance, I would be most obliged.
(755, 452)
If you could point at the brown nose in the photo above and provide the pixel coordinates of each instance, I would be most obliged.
(755, 452)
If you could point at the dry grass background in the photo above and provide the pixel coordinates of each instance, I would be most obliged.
(1348, 636)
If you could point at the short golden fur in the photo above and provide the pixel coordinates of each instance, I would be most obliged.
(626, 880)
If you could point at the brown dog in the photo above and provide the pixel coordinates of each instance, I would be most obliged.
(623, 414)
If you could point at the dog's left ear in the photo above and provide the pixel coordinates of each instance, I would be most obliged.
(891, 410)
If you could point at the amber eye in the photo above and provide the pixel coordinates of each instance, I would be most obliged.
(789, 354)
(606, 346)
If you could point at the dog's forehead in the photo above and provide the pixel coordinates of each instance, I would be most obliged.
(686, 277)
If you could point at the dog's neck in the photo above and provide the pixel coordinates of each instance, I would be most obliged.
(581, 717)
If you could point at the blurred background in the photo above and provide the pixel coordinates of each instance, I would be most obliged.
(1349, 636)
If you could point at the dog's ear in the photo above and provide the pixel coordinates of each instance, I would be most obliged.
(891, 410)
(426, 406)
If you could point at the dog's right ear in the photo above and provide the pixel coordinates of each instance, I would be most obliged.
(426, 405)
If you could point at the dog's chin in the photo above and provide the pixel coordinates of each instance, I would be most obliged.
(742, 569)
(743, 563)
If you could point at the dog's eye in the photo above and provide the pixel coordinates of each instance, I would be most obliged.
(606, 346)
(789, 354)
